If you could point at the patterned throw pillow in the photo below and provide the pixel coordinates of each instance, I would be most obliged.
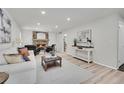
(23, 51)
(26, 58)
(13, 58)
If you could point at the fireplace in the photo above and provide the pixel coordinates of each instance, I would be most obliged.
(40, 38)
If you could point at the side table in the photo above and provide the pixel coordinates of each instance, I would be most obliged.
(3, 77)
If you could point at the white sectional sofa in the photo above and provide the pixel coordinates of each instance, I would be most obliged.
(20, 73)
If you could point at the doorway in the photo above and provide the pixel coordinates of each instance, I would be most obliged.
(65, 42)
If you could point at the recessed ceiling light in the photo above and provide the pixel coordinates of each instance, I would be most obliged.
(56, 26)
(68, 19)
(38, 24)
(65, 35)
(43, 12)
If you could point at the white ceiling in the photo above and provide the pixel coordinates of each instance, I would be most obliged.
(27, 18)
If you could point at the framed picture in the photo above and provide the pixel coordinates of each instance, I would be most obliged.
(84, 35)
(5, 28)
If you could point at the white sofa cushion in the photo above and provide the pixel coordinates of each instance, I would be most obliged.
(24, 77)
(20, 73)
(19, 67)
(2, 59)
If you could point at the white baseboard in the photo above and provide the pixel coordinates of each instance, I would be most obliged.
(105, 65)
(100, 64)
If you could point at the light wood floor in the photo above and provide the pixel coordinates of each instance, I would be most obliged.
(102, 74)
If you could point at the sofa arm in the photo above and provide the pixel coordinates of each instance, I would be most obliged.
(12, 68)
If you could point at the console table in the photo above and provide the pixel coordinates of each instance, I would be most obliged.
(85, 54)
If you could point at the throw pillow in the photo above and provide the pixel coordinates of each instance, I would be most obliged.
(13, 58)
(23, 51)
(26, 58)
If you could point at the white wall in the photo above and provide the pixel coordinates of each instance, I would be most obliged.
(104, 35)
(121, 43)
(52, 38)
(15, 33)
(27, 37)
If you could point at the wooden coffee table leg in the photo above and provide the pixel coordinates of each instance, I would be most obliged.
(42, 61)
(55, 63)
(45, 67)
(42, 64)
(60, 63)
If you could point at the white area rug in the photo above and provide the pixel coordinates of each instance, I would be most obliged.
(67, 74)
